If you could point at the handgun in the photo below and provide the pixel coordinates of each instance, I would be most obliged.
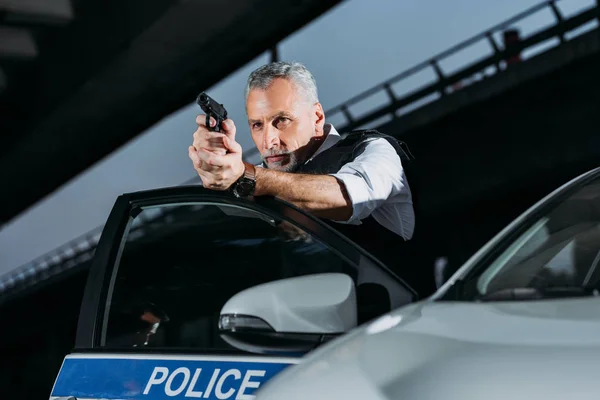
(212, 108)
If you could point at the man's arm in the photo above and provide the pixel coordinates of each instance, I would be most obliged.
(322, 195)
(372, 178)
(351, 194)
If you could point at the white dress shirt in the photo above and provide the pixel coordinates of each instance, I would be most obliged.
(376, 184)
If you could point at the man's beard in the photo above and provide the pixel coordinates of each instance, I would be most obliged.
(289, 163)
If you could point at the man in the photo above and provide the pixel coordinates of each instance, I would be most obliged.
(356, 184)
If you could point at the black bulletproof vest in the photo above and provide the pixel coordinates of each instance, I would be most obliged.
(373, 237)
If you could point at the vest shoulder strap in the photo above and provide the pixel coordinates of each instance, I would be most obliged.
(359, 139)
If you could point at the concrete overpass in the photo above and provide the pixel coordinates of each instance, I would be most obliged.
(79, 78)
(501, 145)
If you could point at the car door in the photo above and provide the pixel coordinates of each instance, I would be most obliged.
(166, 263)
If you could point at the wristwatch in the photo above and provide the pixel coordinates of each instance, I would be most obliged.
(244, 187)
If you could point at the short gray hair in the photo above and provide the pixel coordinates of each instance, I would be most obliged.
(262, 77)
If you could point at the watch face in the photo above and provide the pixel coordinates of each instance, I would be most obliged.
(244, 188)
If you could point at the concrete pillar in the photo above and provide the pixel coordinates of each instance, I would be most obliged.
(275, 53)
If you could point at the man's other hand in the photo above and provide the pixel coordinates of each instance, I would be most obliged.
(216, 156)
(209, 140)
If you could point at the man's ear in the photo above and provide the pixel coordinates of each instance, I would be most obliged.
(319, 115)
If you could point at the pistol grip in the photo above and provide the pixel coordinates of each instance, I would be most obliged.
(217, 127)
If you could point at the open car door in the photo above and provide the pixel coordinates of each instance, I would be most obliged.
(167, 263)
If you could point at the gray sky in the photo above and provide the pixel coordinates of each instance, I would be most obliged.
(353, 47)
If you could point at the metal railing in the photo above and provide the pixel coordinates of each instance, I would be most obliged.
(82, 248)
(441, 86)
(73, 253)
(76, 252)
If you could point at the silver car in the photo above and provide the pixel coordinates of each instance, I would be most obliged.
(519, 320)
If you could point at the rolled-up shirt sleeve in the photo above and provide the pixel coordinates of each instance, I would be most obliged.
(371, 178)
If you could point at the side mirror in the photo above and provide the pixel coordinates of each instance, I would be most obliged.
(290, 316)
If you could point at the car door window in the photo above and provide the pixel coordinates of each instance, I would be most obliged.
(180, 263)
(560, 249)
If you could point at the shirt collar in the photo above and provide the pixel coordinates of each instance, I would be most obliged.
(331, 138)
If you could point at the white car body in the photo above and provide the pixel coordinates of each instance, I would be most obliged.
(541, 350)
(528, 349)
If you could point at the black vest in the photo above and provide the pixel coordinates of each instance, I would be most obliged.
(384, 244)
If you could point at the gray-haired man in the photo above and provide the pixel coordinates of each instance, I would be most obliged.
(358, 181)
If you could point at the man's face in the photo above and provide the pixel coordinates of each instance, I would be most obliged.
(285, 127)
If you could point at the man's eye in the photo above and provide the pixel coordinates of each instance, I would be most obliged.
(256, 125)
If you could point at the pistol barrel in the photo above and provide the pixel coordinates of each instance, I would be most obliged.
(212, 109)
(209, 105)
(203, 99)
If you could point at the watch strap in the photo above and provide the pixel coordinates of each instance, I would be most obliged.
(249, 171)
(244, 186)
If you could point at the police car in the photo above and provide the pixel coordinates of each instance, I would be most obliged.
(520, 320)
(196, 294)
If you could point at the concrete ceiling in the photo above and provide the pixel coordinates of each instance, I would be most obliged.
(80, 78)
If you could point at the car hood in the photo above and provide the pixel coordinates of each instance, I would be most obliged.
(452, 350)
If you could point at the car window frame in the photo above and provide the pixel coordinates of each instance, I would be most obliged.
(103, 268)
(452, 290)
